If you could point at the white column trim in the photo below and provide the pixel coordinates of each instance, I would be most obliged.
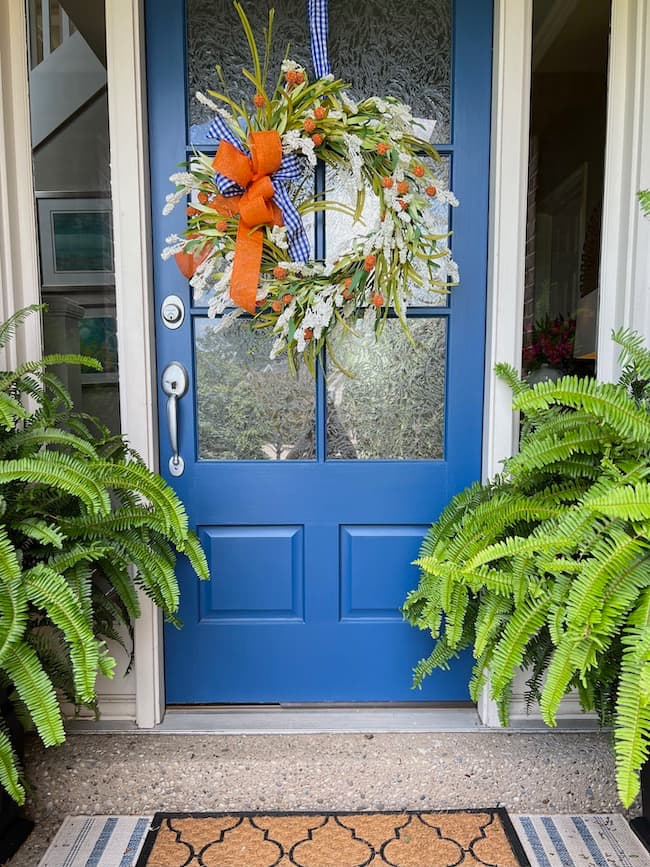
(507, 236)
(133, 285)
(625, 256)
(19, 268)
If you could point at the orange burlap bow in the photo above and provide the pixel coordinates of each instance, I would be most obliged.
(255, 207)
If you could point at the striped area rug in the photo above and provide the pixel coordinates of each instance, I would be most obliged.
(549, 841)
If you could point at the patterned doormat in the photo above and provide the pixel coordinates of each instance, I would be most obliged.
(440, 839)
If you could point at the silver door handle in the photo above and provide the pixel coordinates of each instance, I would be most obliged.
(174, 384)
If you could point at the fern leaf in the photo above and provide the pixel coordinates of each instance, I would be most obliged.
(632, 732)
(58, 471)
(9, 326)
(9, 772)
(509, 652)
(13, 602)
(41, 531)
(35, 689)
(48, 589)
(610, 404)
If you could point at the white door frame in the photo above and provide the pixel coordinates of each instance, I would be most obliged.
(625, 266)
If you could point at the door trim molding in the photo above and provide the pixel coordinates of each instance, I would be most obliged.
(625, 255)
(127, 111)
(511, 76)
(19, 268)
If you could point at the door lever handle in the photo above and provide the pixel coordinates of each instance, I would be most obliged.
(174, 384)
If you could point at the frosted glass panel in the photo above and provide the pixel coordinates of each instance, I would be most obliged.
(399, 49)
(394, 407)
(248, 407)
(340, 228)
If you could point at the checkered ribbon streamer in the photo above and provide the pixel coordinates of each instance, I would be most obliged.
(291, 169)
(318, 30)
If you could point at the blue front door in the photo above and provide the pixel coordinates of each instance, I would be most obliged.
(311, 498)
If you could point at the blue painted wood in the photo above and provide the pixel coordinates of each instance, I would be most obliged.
(310, 559)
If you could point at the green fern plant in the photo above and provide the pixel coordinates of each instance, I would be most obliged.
(547, 567)
(84, 525)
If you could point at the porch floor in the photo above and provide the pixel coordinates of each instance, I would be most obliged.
(139, 774)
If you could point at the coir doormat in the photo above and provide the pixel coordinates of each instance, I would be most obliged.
(408, 839)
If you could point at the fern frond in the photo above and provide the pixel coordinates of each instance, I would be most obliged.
(35, 689)
(41, 531)
(608, 403)
(632, 731)
(9, 770)
(509, 652)
(58, 471)
(48, 589)
(8, 327)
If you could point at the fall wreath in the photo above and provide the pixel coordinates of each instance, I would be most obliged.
(245, 243)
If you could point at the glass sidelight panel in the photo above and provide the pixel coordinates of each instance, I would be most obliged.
(565, 186)
(248, 407)
(394, 405)
(71, 162)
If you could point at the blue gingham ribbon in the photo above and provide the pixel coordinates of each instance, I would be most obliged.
(291, 169)
(318, 31)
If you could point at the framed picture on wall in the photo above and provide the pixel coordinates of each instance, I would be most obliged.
(76, 240)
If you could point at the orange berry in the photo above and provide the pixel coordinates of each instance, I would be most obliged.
(300, 77)
(309, 125)
(276, 306)
(292, 76)
(418, 171)
(347, 282)
(222, 226)
(203, 198)
(280, 273)
(402, 187)
(191, 212)
(382, 148)
(378, 300)
(369, 262)
(403, 205)
(308, 333)
(317, 139)
(320, 113)
(431, 190)
(259, 100)
(287, 298)
(348, 294)
(387, 183)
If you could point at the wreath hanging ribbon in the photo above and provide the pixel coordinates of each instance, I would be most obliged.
(255, 183)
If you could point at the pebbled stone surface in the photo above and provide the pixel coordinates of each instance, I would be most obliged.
(139, 774)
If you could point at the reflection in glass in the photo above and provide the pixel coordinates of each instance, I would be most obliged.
(382, 48)
(394, 406)
(249, 407)
(340, 228)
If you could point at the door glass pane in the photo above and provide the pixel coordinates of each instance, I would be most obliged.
(397, 49)
(71, 161)
(215, 37)
(249, 407)
(340, 228)
(394, 405)
(382, 48)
